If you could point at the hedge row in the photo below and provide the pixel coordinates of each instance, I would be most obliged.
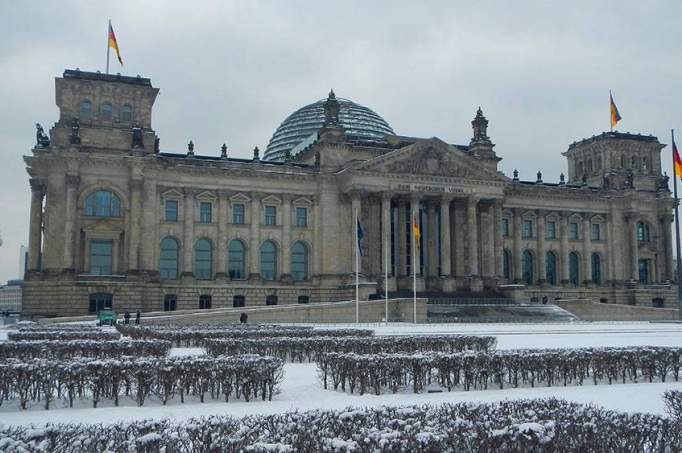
(63, 335)
(189, 336)
(538, 426)
(58, 349)
(464, 370)
(44, 381)
(298, 349)
(58, 326)
(673, 403)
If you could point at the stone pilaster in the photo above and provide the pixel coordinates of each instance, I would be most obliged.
(666, 228)
(541, 253)
(517, 266)
(36, 225)
(488, 242)
(498, 240)
(286, 237)
(386, 232)
(445, 245)
(135, 214)
(472, 237)
(432, 257)
(188, 240)
(587, 249)
(150, 241)
(402, 239)
(634, 247)
(563, 249)
(221, 246)
(356, 213)
(254, 239)
(72, 182)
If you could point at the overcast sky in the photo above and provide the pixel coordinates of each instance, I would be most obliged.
(232, 71)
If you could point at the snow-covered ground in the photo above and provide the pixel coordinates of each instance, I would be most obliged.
(301, 390)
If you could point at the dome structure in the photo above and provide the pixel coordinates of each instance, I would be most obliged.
(360, 123)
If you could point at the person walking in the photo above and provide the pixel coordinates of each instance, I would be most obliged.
(243, 317)
(137, 317)
(126, 318)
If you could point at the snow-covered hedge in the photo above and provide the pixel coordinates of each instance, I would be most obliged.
(58, 349)
(44, 381)
(673, 403)
(538, 426)
(63, 335)
(190, 336)
(299, 349)
(466, 370)
(58, 326)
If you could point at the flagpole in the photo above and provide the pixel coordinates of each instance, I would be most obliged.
(677, 230)
(610, 114)
(357, 266)
(414, 270)
(108, 46)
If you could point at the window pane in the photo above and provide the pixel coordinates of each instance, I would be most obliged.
(596, 233)
(270, 215)
(551, 268)
(573, 230)
(205, 212)
(268, 261)
(550, 230)
(85, 110)
(203, 260)
(527, 228)
(205, 302)
(126, 112)
(574, 268)
(505, 227)
(171, 211)
(299, 261)
(103, 203)
(301, 217)
(168, 266)
(100, 257)
(238, 214)
(236, 260)
(106, 111)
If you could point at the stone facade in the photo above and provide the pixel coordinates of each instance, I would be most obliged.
(115, 220)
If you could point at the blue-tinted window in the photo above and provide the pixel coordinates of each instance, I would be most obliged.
(103, 203)
(238, 214)
(596, 232)
(85, 110)
(168, 265)
(205, 213)
(236, 259)
(505, 227)
(301, 217)
(574, 268)
(596, 268)
(550, 268)
(171, 211)
(270, 215)
(527, 231)
(126, 113)
(203, 259)
(299, 261)
(573, 231)
(550, 230)
(644, 271)
(643, 232)
(100, 257)
(506, 265)
(528, 267)
(106, 111)
(268, 260)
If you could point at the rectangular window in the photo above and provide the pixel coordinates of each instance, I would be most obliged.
(171, 211)
(573, 231)
(505, 228)
(170, 302)
(550, 230)
(270, 215)
(238, 214)
(100, 257)
(205, 302)
(527, 231)
(238, 301)
(302, 217)
(596, 232)
(303, 299)
(205, 212)
(271, 300)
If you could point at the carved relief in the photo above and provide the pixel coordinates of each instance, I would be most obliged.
(429, 162)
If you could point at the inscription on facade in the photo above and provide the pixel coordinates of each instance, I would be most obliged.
(430, 188)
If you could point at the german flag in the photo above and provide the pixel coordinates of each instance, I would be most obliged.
(615, 115)
(114, 44)
(416, 231)
(677, 161)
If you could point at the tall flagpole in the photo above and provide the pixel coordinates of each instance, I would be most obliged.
(677, 230)
(108, 45)
(610, 114)
(357, 266)
(414, 270)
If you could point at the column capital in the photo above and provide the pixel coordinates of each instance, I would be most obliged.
(415, 198)
(446, 198)
(72, 180)
(541, 212)
(387, 195)
(37, 185)
(473, 199)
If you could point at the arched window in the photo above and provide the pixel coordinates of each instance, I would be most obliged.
(268, 260)
(574, 268)
(506, 264)
(596, 268)
(299, 261)
(106, 111)
(85, 110)
(103, 203)
(643, 232)
(126, 113)
(527, 267)
(236, 265)
(550, 268)
(168, 262)
(203, 259)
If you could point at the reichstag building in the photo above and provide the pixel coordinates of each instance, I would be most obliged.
(115, 221)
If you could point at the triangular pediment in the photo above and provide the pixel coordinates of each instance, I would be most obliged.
(172, 193)
(206, 196)
(431, 157)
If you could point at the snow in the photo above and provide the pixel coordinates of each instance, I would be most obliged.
(301, 390)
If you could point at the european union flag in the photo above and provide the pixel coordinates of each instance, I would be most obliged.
(361, 234)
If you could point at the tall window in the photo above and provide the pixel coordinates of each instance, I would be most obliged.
(299, 261)
(238, 213)
(505, 228)
(574, 268)
(271, 215)
(103, 203)
(506, 264)
(550, 268)
(85, 110)
(550, 230)
(573, 231)
(100, 257)
(170, 302)
(203, 259)
(205, 302)
(100, 301)
(527, 231)
(236, 265)
(644, 271)
(171, 210)
(168, 266)
(302, 217)
(643, 232)
(596, 268)
(528, 267)
(205, 213)
(106, 111)
(126, 113)
(596, 232)
(268, 260)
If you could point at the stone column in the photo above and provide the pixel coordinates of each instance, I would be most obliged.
(386, 232)
(286, 236)
(414, 216)
(563, 248)
(540, 231)
(445, 245)
(517, 267)
(254, 240)
(634, 248)
(587, 249)
(36, 226)
(666, 222)
(356, 210)
(498, 240)
(188, 241)
(149, 243)
(317, 233)
(488, 242)
(69, 260)
(432, 259)
(472, 237)
(221, 246)
(135, 214)
(402, 239)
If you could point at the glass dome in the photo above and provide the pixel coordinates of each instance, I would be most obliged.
(361, 124)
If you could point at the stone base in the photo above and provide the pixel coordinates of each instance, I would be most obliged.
(475, 283)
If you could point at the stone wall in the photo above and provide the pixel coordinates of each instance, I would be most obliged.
(590, 311)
